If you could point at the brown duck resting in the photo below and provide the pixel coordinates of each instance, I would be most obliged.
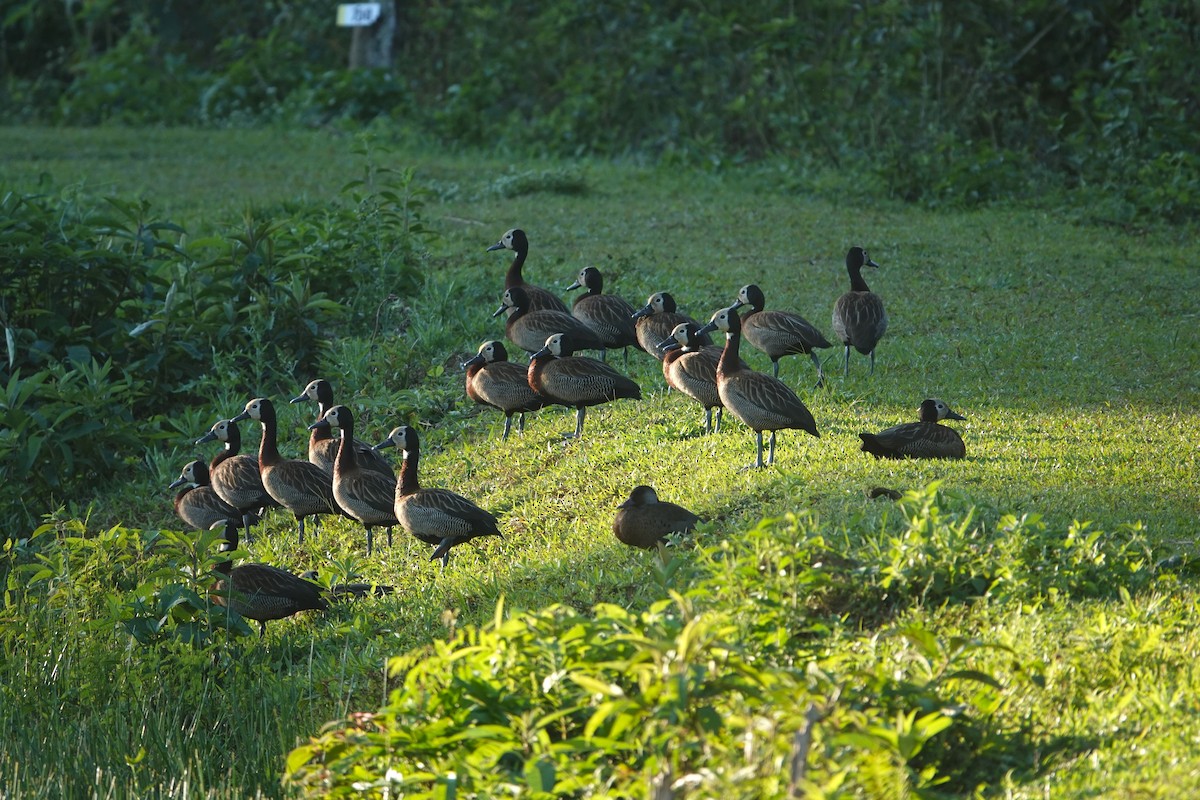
(610, 317)
(199, 505)
(235, 476)
(539, 298)
(528, 328)
(644, 521)
(323, 446)
(779, 333)
(576, 381)
(299, 486)
(691, 369)
(493, 380)
(859, 319)
(922, 439)
(438, 517)
(656, 320)
(261, 592)
(363, 493)
(760, 401)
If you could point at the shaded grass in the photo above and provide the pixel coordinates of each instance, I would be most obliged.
(1071, 350)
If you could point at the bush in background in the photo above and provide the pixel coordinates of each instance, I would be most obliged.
(110, 318)
(934, 102)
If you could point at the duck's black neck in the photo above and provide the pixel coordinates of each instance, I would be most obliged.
(231, 538)
(346, 459)
(730, 357)
(409, 482)
(513, 276)
(268, 448)
(857, 284)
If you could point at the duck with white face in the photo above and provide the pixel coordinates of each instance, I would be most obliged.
(438, 517)
(576, 381)
(925, 438)
(539, 298)
(762, 402)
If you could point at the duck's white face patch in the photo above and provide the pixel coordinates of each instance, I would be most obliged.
(254, 409)
(679, 333)
(488, 351)
(657, 302)
(744, 294)
(554, 344)
(507, 239)
(310, 391)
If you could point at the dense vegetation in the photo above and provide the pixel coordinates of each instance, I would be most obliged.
(946, 103)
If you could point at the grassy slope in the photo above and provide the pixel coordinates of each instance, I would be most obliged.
(1072, 351)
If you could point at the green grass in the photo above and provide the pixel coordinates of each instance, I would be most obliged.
(1071, 349)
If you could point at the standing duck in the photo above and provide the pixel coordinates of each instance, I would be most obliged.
(299, 486)
(576, 381)
(644, 521)
(762, 402)
(528, 328)
(362, 492)
(922, 439)
(858, 316)
(691, 368)
(495, 381)
(261, 592)
(323, 446)
(657, 319)
(779, 333)
(438, 517)
(235, 476)
(609, 316)
(199, 505)
(539, 298)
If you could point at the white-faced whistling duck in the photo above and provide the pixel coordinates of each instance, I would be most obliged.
(539, 298)
(528, 328)
(923, 439)
(363, 493)
(234, 475)
(438, 517)
(656, 320)
(261, 592)
(644, 521)
(691, 368)
(495, 381)
(576, 381)
(299, 486)
(323, 445)
(858, 316)
(762, 402)
(199, 505)
(779, 333)
(610, 317)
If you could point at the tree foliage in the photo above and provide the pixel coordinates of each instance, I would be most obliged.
(938, 102)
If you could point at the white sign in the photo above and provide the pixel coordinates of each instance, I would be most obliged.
(357, 15)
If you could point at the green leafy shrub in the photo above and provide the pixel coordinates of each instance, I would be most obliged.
(108, 318)
(560, 703)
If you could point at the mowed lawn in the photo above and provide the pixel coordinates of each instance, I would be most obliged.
(1070, 344)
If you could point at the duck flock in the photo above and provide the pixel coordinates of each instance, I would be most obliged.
(346, 476)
